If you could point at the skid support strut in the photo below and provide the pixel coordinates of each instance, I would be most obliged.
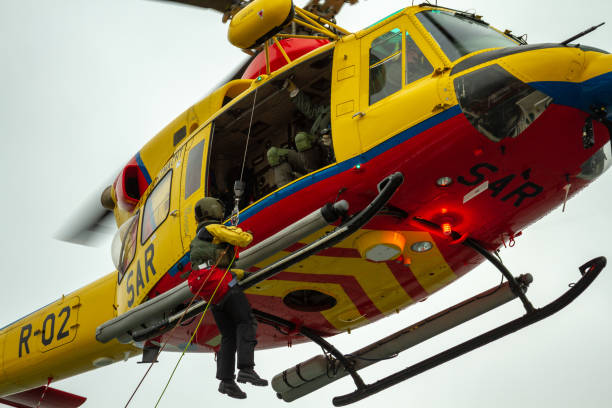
(589, 271)
(312, 335)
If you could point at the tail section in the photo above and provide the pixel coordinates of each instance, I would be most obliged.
(58, 341)
(43, 397)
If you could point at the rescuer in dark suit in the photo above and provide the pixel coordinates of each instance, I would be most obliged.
(214, 245)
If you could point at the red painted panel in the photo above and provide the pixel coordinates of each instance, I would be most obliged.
(294, 48)
(548, 155)
(130, 185)
(53, 398)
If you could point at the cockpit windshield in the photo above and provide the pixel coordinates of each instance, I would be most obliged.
(458, 35)
(123, 247)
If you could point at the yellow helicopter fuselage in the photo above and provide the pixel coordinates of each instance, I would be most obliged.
(383, 119)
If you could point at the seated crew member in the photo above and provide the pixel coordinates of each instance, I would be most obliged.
(286, 165)
(214, 246)
(319, 136)
(309, 151)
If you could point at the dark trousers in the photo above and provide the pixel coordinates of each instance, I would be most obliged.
(237, 325)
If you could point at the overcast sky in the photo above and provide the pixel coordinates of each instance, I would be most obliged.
(84, 84)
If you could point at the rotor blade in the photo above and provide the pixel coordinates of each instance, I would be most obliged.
(89, 225)
(219, 5)
(329, 9)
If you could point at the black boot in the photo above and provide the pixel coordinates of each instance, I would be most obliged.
(230, 388)
(249, 375)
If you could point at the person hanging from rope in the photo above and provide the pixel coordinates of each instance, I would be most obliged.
(212, 254)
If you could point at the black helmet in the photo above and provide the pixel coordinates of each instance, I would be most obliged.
(209, 208)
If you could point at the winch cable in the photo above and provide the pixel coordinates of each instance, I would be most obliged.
(177, 324)
(196, 330)
(239, 187)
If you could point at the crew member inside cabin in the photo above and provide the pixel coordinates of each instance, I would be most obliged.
(214, 247)
(314, 147)
(286, 165)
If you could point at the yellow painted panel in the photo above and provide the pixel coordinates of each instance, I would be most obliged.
(161, 147)
(429, 268)
(344, 307)
(28, 363)
(346, 73)
(377, 281)
(344, 108)
(20, 353)
(375, 278)
(58, 325)
(344, 127)
(553, 64)
(256, 21)
(186, 215)
(422, 265)
(596, 64)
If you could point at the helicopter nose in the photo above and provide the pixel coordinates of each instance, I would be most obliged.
(505, 97)
(590, 86)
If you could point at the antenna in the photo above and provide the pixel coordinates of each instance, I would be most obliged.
(585, 32)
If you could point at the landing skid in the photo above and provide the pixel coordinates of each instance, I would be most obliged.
(310, 376)
(589, 271)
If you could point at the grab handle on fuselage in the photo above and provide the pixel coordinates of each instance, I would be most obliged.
(388, 187)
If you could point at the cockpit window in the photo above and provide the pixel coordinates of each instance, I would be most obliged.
(193, 175)
(459, 36)
(417, 66)
(385, 65)
(156, 208)
(123, 248)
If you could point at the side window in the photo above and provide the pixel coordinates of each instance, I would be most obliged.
(385, 65)
(123, 247)
(156, 208)
(193, 175)
(417, 66)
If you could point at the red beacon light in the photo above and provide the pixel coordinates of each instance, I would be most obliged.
(446, 228)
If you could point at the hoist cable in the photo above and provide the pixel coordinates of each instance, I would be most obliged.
(235, 218)
(246, 147)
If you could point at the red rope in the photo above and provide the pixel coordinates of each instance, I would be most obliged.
(44, 391)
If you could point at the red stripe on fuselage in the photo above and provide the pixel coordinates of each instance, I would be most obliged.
(407, 280)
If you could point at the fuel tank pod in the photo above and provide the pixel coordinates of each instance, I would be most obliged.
(259, 21)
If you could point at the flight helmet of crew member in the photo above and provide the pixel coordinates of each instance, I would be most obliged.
(209, 208)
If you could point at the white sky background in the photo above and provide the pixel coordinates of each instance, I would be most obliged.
(84, 84)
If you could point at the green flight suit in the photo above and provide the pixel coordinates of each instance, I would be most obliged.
(204, 251)
(319, 114)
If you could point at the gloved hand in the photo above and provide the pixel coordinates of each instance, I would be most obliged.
(240, 274)
(326, 140)
(291, 88)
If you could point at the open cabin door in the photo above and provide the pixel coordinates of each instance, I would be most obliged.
(193, 182)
